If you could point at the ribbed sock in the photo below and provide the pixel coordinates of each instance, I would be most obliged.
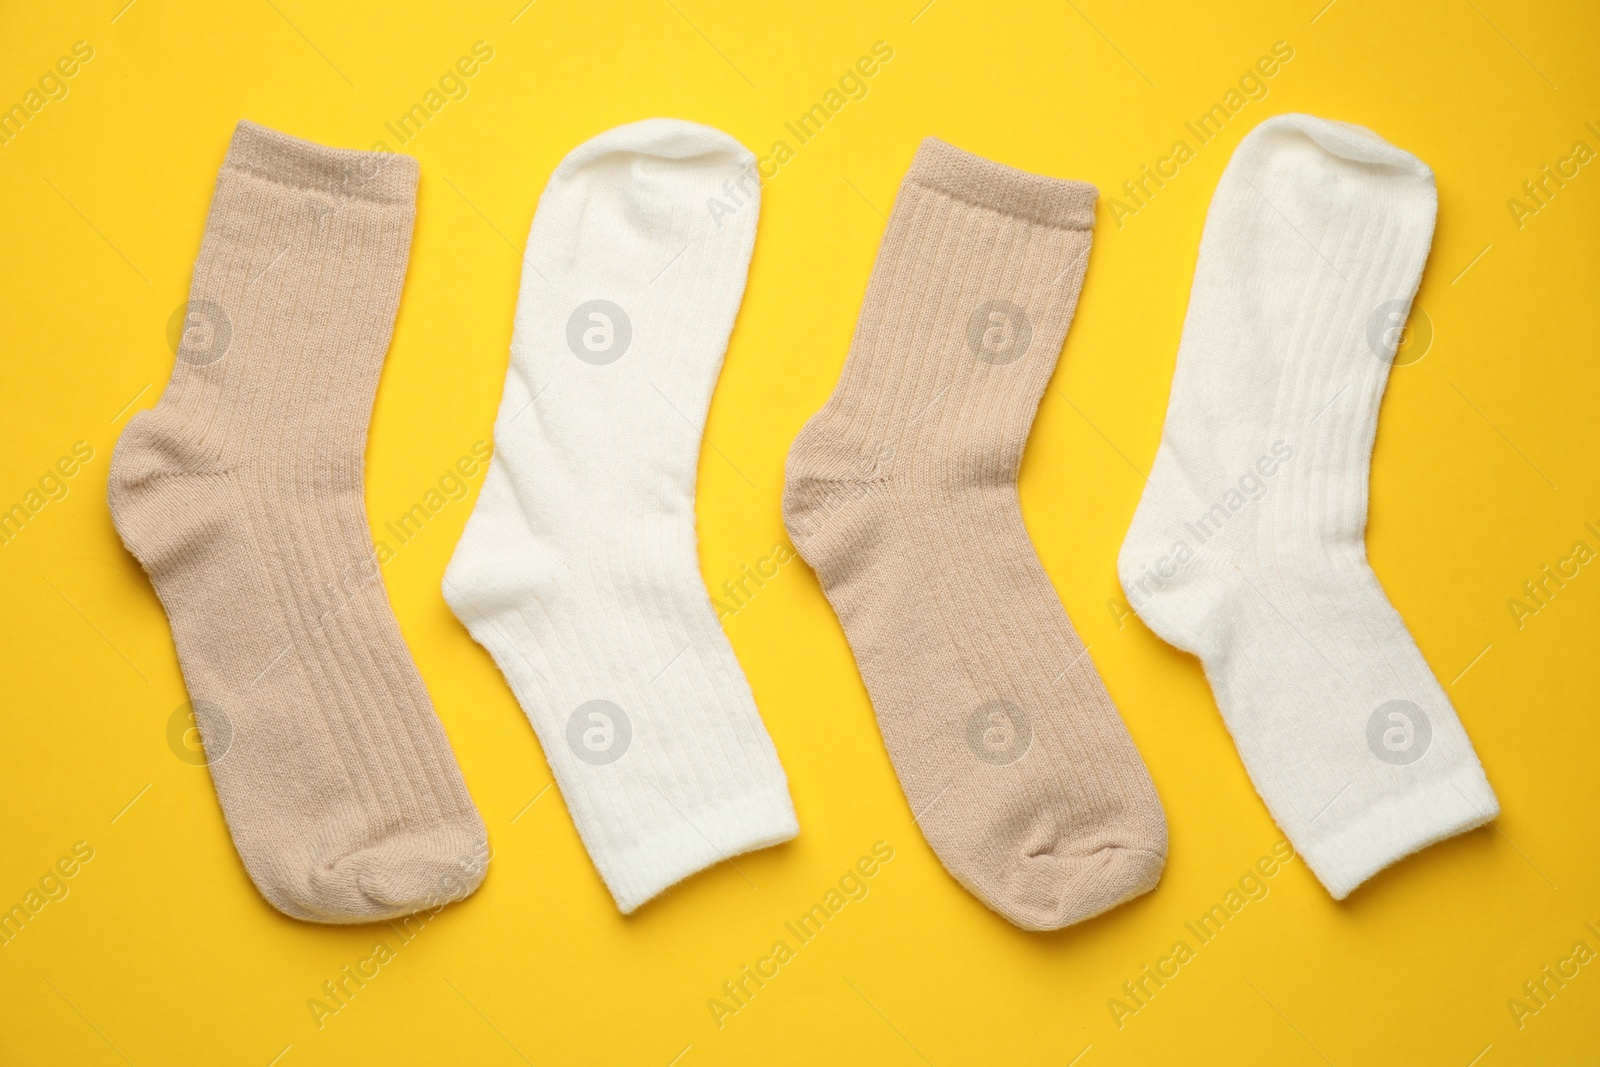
(578, 569)
(241, 493)
(1248, 547)
(902, 495)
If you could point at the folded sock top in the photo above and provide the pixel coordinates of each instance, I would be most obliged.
(339, 172)
(985, 183)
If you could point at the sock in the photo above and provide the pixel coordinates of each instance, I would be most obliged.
(578, 569)
(902, 495)
(241, 494)
(1247, 548)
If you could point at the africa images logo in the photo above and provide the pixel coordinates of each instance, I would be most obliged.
(999, 332)
(999, 732)
(599, 332)
(599, 732)
(1399, 733)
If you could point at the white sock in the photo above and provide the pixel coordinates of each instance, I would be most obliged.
(1247, 548)
(578, 568)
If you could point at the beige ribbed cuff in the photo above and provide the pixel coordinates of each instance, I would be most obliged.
(387, 177)
(984, 183)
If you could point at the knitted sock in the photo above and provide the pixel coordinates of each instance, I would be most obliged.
(578, 570)
(902, 494)
(1247, 549)
(241, 494)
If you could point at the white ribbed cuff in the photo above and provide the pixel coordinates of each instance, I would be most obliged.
(760, 818)
(1398, 826)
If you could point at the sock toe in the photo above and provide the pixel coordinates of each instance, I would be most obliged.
(404, 872)
(1049, 890)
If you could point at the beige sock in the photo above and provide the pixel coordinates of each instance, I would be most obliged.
(902, 494)
(241, 494)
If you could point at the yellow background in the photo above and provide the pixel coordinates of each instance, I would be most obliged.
(163, 953)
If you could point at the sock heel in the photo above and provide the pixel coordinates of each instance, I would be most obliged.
(154, 445)
(499, 565)
(825, 490)
(161, 490)
(1162, 575)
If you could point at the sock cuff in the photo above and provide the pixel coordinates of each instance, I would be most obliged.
(757, 817)
(1056, 202)
(1397, 826)
(383, 177)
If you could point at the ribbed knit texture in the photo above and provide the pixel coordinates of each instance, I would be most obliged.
(578, 570)
(902, 494)
(241, 493)
(1248, 547)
